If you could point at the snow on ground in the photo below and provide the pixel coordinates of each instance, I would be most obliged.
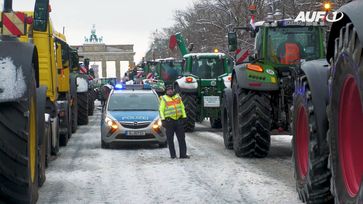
(85, 173)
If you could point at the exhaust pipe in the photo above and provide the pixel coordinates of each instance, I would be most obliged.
(8, 5)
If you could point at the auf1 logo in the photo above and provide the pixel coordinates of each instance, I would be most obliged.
(317, 16)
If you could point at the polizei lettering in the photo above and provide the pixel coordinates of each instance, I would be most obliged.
(316, 16)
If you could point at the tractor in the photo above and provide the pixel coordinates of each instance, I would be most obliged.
(161, 72)
(203, 78)
(86, 94)
(262, 89)
(328, 116)
(23, 137)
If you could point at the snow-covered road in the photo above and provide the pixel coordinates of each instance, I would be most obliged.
(85, 173)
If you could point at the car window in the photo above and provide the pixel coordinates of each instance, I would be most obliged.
(133, 101)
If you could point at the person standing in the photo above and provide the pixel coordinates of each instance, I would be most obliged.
(172, 114)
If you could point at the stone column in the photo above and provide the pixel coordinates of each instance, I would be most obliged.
(104, 68)
(118, 70)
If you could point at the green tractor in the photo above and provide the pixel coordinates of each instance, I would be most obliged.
(262, 90)
(161, 72)
(328, 117)
(203, 78)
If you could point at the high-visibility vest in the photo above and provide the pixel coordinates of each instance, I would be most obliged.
(173, 108)
(292, 54)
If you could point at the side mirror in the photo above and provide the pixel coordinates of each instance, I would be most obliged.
(41, 15)
(232, 41)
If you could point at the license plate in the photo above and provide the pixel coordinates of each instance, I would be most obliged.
(137, 133)
(211, 101)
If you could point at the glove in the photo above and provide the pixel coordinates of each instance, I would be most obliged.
(163, 123)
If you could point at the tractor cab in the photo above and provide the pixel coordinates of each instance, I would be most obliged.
(285, 42)
(206, 65)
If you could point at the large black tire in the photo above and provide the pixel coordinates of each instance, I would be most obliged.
(82, 108)
(18, 149)
(42, 134)
(190, 104)
(215, 123)
(91, 102)
(345, 117)
(227, 120)
(310, 148)
(252, 121)
(74, 107)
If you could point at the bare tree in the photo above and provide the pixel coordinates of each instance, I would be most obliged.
(207, 22)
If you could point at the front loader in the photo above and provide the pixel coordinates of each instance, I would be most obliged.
(203, 79)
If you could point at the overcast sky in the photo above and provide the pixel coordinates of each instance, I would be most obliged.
(118, 21)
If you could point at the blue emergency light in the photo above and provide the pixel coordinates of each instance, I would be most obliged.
(133, 87)
(119, 87)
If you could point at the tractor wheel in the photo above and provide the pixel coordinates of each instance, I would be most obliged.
(215, 123)
(227, 123)
(310, 149)
(91, 102)
(42, 134)
(251, 123)
(82, 108)
(345, 115)
(190, 104)
(74, 107)
(19, 149)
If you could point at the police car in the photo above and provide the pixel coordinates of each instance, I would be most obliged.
(131, 115)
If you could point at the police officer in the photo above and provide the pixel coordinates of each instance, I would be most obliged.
(172, 114)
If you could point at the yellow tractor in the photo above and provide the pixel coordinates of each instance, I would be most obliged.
(22, 105)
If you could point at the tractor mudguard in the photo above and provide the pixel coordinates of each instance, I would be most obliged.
(244, 82)
(352, 13)
(82, 84)
(187, 87)
(17, 60)
(317, 73)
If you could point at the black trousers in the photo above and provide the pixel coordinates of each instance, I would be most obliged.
(177, 127)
